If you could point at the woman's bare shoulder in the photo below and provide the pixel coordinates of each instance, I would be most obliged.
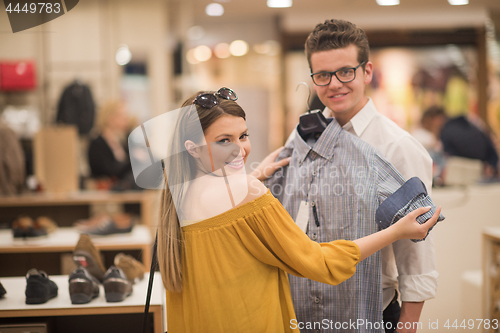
(255, 188)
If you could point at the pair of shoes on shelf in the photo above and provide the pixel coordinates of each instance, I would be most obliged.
(24, 227)
(117, 280)
(39, 289)
(104, 225)
(88, 256)
(83, 287)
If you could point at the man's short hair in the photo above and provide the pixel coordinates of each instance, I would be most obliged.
(336, 34)
(433, 112)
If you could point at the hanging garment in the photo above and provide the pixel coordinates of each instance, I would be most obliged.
(76, 107)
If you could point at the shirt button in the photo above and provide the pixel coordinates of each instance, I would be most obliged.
(314, 236)
(317, 300)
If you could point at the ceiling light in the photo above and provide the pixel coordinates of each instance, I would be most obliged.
(214, 9)
(387, 2)
(238, 48)
(221, 50)
(279, 3)
(202, 53)
(191, 58)
(458, 2)
(123, 55)
(270, 47)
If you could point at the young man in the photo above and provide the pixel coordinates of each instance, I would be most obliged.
(338, 55)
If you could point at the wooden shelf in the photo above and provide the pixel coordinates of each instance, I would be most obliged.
(75, 198)
(44, 251)
(65, 239)
(66, 208)
(13, 304)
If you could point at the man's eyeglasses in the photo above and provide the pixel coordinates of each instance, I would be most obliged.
(209, 100)
(344, 75)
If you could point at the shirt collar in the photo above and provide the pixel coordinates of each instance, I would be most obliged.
(324, 146)
(360, 121)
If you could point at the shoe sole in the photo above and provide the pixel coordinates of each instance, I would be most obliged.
(38, 300)
(85, 259)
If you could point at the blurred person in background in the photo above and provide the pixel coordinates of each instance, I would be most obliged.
(110, 167)
(467, 138)
(428, 134)
(108, 154)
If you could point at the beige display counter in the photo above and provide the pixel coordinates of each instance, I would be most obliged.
(459, 255)
(491, 276)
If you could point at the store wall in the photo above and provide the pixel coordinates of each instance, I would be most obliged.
(255, 76)
(82, 44)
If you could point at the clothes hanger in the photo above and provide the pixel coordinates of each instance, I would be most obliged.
(313, 122)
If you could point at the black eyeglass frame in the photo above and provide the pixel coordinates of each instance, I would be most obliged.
(335, 73)
(209, 100)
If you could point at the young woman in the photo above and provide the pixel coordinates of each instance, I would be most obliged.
(225, 244)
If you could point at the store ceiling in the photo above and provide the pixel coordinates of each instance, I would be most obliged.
(317, 10)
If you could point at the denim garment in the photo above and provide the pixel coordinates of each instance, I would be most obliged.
(406, 199)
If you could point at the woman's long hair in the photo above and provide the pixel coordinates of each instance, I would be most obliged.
(180, 169)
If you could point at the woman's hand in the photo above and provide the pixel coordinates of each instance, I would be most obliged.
(408, 227)
(268, 167)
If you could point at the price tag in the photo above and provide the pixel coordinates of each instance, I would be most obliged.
(302, 219)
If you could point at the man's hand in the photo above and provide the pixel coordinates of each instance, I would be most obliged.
(268, 167)
(410, 316)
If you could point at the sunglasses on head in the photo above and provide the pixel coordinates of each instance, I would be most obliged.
(209, 100)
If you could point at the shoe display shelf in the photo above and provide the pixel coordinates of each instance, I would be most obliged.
(18, 255)
(63, 241)
(60, 315)
(491, 277)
